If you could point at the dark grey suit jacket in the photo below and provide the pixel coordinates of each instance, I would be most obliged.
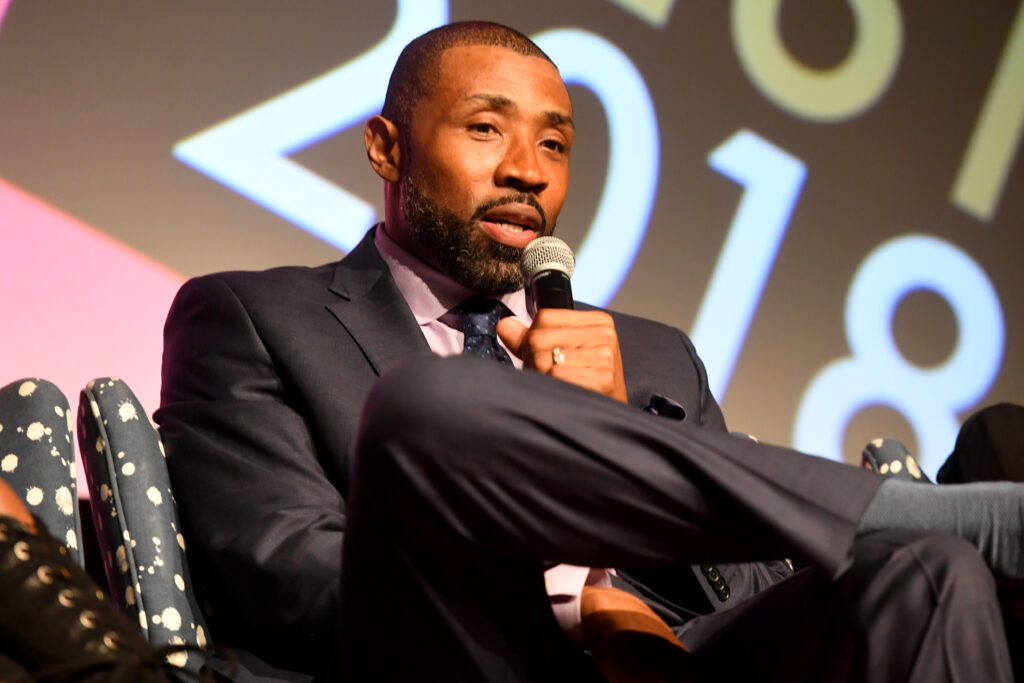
(264, 378)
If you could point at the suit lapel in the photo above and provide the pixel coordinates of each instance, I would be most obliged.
(370, 307)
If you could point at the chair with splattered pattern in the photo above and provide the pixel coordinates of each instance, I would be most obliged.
(37, 457)
(136, 519)
(890, 458)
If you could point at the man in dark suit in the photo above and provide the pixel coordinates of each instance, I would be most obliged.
(470, 478)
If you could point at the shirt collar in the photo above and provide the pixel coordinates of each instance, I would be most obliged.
(429, 293)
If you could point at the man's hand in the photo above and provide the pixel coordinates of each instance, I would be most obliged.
(588, 342)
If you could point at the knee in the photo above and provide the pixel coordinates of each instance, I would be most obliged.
(947, 567)
(426, 393)
(952, 561)
(905, 582)
(402, 396)
(423, 403)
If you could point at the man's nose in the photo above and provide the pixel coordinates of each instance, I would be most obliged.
(521, 167)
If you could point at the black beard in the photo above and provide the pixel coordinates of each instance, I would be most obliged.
(459, 249)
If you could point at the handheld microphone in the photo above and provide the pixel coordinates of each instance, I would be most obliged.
(547, 264)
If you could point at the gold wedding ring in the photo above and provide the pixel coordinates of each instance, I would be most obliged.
(557, 357)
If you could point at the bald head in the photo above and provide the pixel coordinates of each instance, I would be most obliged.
(418, 67)
(473, 144)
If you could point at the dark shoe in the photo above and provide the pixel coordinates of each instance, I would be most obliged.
(58, 625)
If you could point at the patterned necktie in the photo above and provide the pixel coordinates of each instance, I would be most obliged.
(478, 319)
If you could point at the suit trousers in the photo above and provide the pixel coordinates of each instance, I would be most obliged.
(470, 478)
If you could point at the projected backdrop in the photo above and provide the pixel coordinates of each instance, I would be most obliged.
(824, 194)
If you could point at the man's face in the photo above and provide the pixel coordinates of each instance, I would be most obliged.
(487, 165)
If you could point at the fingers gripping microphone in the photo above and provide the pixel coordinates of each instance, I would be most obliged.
(547, 265)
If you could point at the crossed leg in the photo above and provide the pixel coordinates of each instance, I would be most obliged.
(470, 478)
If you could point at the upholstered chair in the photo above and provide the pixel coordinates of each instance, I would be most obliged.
(37, 457)
(136, 519)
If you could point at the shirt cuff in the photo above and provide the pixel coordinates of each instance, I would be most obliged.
(564, 583)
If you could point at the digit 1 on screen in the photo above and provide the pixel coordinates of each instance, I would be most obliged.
(876, 373)
(772, 179)
(996, 137)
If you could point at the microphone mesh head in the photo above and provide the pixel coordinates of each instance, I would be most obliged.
(546, 253)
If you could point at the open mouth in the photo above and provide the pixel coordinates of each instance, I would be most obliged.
(508, 232)
(514, 227)
(515, 224)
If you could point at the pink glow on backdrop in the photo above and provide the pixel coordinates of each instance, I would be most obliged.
(4, 4)
(76, 304)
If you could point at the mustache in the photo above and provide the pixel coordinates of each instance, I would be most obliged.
(515, 198)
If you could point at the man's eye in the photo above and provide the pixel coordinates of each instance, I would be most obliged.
(554, 145)
(484, 128)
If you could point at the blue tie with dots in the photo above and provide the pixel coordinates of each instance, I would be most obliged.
(478, 319)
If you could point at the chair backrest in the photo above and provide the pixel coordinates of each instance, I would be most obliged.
(889, 457)
(37, 457)
(136, 518)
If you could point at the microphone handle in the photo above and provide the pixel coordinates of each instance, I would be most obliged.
(551, 289)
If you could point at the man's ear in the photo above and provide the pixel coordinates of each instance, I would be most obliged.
(381, 137)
